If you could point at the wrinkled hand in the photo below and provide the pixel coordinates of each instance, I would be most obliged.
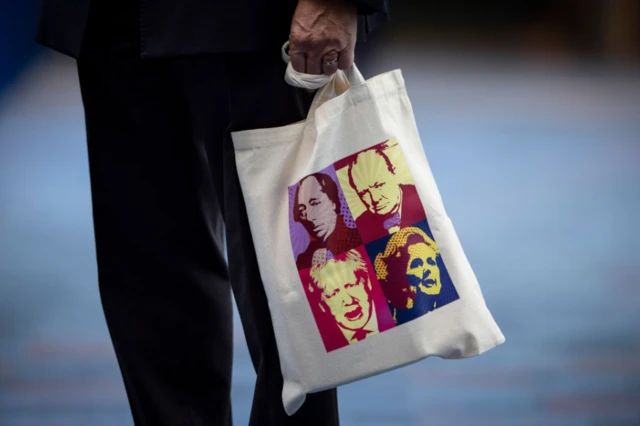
(323, 36)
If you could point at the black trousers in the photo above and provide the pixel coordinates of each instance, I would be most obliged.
(165, 197)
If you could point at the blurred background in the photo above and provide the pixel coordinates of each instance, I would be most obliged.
(529, 112)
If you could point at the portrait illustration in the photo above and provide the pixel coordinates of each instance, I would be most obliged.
(346, 300)
(321, 223)
(411, 272)
(380, 190)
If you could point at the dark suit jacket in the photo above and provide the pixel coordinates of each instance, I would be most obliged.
(186, 27)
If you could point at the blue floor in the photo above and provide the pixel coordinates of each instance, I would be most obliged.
(539, 168)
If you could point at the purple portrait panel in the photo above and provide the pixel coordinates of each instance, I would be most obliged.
(320, 222)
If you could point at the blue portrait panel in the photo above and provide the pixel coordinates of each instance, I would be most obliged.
(411, 272)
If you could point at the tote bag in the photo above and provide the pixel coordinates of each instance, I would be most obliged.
(361, 265)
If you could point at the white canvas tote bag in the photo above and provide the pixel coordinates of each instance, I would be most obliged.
(361, 265)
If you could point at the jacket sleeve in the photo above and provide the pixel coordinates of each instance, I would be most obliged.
(370, 7)
(371, 14)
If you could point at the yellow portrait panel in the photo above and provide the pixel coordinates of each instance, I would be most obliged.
(370, 169)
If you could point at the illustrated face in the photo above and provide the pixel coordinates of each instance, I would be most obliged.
(316, 210)
(400, 293)
(346, 295)
(422, 270)
(375, 184)
(416, 260)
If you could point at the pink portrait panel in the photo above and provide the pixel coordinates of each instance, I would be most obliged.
(343, 310)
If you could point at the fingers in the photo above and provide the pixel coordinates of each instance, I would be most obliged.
(298, 60)
(314, 55)
(326, 61)
(313, 64)
(345, 60)
(330, 63)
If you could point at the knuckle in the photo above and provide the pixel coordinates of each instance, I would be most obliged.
(317, 45)
(330, 55)
(299, 39)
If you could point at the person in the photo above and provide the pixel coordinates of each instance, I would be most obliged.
(343, 290)
(390, 205)
(410, 276)
(163, 84)
(317, 207)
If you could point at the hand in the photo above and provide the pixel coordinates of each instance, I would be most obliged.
(323, 36)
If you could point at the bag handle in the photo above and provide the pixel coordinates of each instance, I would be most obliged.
(337, 83)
